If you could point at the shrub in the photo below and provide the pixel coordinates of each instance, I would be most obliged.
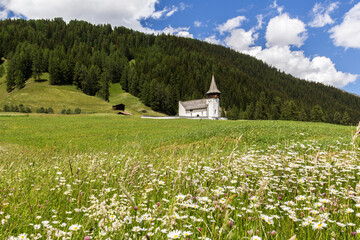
(50, 110)
(6, 108)
(68, 111)
(77, 110)
(27, 110)
(63, 111)
(40, 110)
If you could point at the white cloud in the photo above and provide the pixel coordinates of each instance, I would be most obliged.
(180, 31)
(347, 34)
(197, 24)
(260, 21)
(277, 7)
(165, 12)
(172, 11)
(231, 24)
(3, 14)
(240, 40)
(321, 14)
(212, 39)
(124, 13)
(283, 30)
(319, 69)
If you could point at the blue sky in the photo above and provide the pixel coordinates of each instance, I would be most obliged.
(313, 40)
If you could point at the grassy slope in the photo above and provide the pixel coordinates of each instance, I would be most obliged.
(42, 94)
(114, 133)
(132, 104)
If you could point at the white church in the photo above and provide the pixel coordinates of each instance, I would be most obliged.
(203, 108)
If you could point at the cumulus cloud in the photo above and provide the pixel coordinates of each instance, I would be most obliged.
(124, 13)
(3, 14)
(240, 40)
(321, 14)
(282, 33)
(347, 34)
(318, 69)
(180, 31)
(212, 39)
(283, 30)
(231, 24)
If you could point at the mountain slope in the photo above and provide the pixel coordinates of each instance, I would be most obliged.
(42, 94)
(161, 70)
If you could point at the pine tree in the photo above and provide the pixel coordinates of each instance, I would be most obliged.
(90, 85)
(275, 109)
(316, 114)
(104, 85)
(303, 116)
(56, 75)
(337, 118)
(346, 120)
(37, 66)
(233, 113)
(10, 76)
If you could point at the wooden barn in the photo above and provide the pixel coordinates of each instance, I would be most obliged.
(119, 107)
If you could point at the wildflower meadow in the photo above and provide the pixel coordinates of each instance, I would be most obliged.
(182, 180)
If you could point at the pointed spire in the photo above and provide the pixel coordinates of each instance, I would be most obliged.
(213, 88)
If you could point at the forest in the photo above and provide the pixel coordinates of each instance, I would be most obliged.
(163, 69)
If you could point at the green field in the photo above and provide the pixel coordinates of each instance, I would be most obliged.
(107, 176)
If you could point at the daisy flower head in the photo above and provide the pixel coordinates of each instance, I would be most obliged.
(349, 210)
(180, 197)
(255, 238)
(174, 234)
(75, 227)
(23, 236)
(136, 229)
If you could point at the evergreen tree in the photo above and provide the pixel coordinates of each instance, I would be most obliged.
(275, 109)
(259, 112)
(337, 118)
(104, 85)
(37, 66)
(56, 74)
(249, 113)
(10, 76)
(303, 116)
(233, 113)
(316, 114)
(90, 85)
(346, 120)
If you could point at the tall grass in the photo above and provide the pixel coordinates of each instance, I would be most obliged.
(207, 180)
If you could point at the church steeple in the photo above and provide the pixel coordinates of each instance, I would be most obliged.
(213, 90)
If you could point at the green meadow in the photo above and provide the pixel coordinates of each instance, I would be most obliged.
(113, 133)
(106, 176)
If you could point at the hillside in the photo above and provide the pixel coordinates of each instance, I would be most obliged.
(161, 70)
(42, 94)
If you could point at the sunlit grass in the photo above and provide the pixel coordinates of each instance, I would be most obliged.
(176, 179)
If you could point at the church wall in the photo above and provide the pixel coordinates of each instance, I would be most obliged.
(182, 111)
(197, 113)
(213, 107)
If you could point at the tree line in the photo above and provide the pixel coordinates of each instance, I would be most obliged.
(163, 69)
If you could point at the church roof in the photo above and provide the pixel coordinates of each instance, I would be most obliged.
(213, 88)
(194, 104)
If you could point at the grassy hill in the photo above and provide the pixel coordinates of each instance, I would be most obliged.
(42, 94)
